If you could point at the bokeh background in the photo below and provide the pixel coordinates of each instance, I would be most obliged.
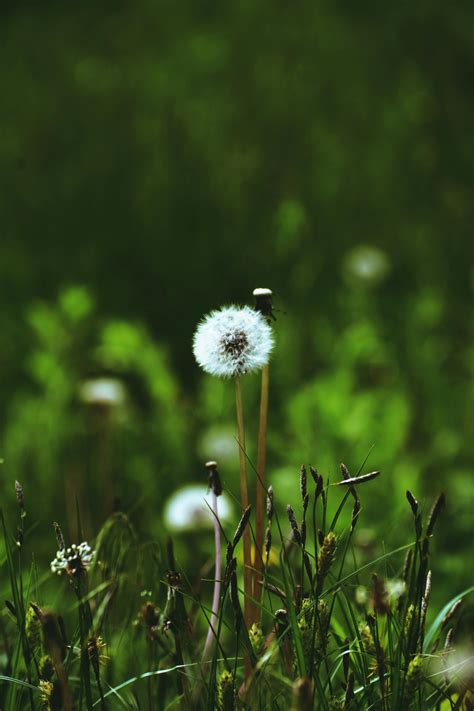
(159, 159)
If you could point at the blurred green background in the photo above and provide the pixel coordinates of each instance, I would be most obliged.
(158, 160)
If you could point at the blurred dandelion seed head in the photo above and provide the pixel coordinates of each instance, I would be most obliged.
(366, 265)
(221, 441)
(103, 392)
(188, 508)
(232, 341)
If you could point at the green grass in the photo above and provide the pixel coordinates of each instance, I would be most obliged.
(128, 632)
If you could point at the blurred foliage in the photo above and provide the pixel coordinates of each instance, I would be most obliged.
(171, 157)
(105, 453)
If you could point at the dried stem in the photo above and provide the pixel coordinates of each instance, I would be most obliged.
(217, 582)
(244, 500)
(261, 493)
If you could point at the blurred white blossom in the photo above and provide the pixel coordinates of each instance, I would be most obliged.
(105, 392)
(73, 560)
(188, 508)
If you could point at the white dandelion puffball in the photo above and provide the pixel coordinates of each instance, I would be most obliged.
(187, 509)
(232, 341)
(107, 392)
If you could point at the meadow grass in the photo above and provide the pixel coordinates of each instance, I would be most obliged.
(126, 628)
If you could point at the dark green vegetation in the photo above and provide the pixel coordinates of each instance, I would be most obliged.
(160, 159)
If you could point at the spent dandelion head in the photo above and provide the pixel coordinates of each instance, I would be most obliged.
(214, 480)
(263, 302)
(232, 341)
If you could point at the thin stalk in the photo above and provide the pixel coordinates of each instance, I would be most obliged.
(217, 582)
(244, 500)
(260, 500)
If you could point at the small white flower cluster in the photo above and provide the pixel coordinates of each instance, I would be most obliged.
(233, 341)
(73, 560)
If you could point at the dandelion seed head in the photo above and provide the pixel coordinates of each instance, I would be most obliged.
(104, 392)
(73, 560)
(232, 341)
(187, 509)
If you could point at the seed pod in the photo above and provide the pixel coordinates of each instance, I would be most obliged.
(449, 639)
(270, 503)
(344, 471)
(263, 302)
(214, 478)
(268, 541)
(303, 482)
(412, 501)
(380, 601)
(241, 527)
(305, 503)
(434, 513)
(314, 474)
(281, 619)
(451, 612)
(20, 497)
(425, 600)
(413, 678)
(418, 525)
(352, 481)
(326, 554)
(319, 488)
(294, 525)
(303, 532)
(226, 691)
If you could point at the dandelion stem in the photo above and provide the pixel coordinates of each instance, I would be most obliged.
(217, 582)
(261, 490)
(244, 500)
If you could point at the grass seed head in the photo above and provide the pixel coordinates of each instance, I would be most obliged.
(294, 526)
(413, 502)
(46, 667)
(270, 504)
(32, 629)
(413, 678)
(303, 482)
(380, 598)
(326, 554)
(225, 691)
(20, 496)
(438, 506)
(256, 638)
